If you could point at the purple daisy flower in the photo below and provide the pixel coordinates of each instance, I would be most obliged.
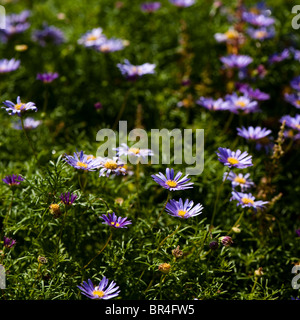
(261, 34)
(234, 159)
(68, 198)
(13, 180)
(235, 103)
(252, 133)
(171, 182)
(47, 77)
(183, 210)
(239, 180)
(150, 6)
(116, 222)
(9, 242)
(9, 65)
(236, 61)
(110, 45)
(230, 36)
(132, 72)
(182, 3)
(48, 35)
(102, 291)
(278, 57)
(29, 124)
(259, 20)
(295, 83)
(15, 24)
(93, 38)
(81, 161)
(292, 122)
(247, 200)
(253, 93)
(211, 104)
(124, 149)
(111, 166)
(19, 108)
(293, 99)
(295, 53)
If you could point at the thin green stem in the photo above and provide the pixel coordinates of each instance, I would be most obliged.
(161, 212)
(121, 110)
(9, 210)
(27, 137)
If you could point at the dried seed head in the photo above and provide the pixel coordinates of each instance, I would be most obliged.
(177, 253)
(164, 267)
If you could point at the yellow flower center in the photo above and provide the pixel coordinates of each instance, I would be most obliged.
(19, 106)
(90, 157)
(298, 102)
(261, 34)
(181, 213)
(111, 164)
(241, 104)
(92, 38)
(247, 201)
(98, 293)
(298, 126)
(81, 164)
(117, 224)
(231, 34)
(240, 180)
(134, 150)
(171, 183)
(232, 160)
(104, 48)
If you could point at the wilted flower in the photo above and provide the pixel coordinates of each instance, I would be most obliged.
(47, 77)
(55, 210)
(68, 198)
(114, 221)
(164, 267)
(18, 108)
(150, 6)
(177, 253)
(111, 166)
(13, 180)
(239, 180)
(236, 61)
(214, 245)
(183, 210)
(48, 35)
(9, 242)
(9, 65)
(82, 162)
(247, 200)
(101, 291)
(171, 182)
(234, 159)
(182, 3)
(132, 72)
(42, 260)
(226, 241)
(259, 272)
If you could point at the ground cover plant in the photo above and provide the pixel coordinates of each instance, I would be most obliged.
(74, 225)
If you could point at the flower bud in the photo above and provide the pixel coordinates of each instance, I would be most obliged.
(226, 241)
(164, 267)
